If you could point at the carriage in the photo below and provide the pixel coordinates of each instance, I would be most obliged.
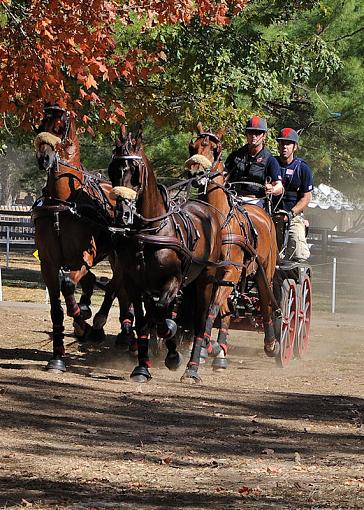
(293, 292)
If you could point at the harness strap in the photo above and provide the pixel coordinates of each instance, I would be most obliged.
(239, 240)
(173, 243)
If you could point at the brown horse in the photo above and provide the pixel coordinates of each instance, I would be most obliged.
(248, 241)
(71, 224)
(163, 247)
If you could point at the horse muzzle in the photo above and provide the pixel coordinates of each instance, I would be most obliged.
(125, 204)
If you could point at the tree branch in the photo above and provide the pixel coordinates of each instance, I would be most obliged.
(347, 35)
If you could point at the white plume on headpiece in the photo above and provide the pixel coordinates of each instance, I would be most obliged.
(198, 159)
(48, 138)
(122, 192)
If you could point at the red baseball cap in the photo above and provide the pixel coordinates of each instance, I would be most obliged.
(256, 124)
(288, 134)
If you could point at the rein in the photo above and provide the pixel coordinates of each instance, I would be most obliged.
(89, 184)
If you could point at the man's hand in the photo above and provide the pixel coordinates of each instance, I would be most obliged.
(268, 188)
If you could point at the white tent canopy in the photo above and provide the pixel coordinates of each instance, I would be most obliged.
(327, 197)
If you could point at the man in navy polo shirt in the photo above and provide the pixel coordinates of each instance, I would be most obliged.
(252, 169)
(298, 186)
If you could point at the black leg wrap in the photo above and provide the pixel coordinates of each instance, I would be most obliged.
(67, 286)
(140, 375)
(96, 336)
(214, 349)
(204, 353)
(125, 339)
(85, 311)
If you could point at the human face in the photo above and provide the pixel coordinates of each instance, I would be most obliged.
(255, 138)
(286, 150)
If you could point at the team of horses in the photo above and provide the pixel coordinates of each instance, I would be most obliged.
(171, 257)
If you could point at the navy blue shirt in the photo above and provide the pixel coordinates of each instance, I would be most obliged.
(297, 180)
(239, 163)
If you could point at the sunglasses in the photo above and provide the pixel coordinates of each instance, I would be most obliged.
(254, 132)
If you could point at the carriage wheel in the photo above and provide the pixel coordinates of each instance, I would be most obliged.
(287, 323)
(304, 318)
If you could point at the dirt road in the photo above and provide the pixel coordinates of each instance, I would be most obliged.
(254, 437)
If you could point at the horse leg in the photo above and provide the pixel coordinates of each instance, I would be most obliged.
(220, 361)
(68, 287)
(97, 333)
(50, 277)
(141, 372)
(219, 349)
(271, 344)
(166, 326)
(81, 328)
(204, 286)
(87, 283)
(126, 338)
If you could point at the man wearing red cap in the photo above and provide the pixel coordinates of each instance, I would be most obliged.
(252, 170)
(298, 186)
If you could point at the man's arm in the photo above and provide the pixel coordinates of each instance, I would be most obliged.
(302, 203)
(275, 187)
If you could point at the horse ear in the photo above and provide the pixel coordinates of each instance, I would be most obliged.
(220, 134)
(199, 128)
(123, 134)
(139, 135)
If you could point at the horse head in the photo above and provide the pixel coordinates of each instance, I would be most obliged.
(205, 153)
(58, 122)
(127, 172)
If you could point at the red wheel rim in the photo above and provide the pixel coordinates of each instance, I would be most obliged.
(288, 323)
(304, 318)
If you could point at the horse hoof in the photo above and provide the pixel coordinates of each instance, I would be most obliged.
(168, 331)
(96, 336)
(191, 377)
(85, 312)
(272, 349)
(174, 361)
(140, 375)
(81, 330)
(219, 364)
(56, 365)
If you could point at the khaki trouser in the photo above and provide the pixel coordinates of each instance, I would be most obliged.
(297, 247)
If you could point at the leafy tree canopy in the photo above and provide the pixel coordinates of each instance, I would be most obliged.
(297, 62)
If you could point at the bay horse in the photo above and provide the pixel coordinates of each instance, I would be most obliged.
(248, 241)
(71, 224)
(163, 247)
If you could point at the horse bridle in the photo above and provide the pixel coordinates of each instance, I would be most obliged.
(214, 138)
(141, 166)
